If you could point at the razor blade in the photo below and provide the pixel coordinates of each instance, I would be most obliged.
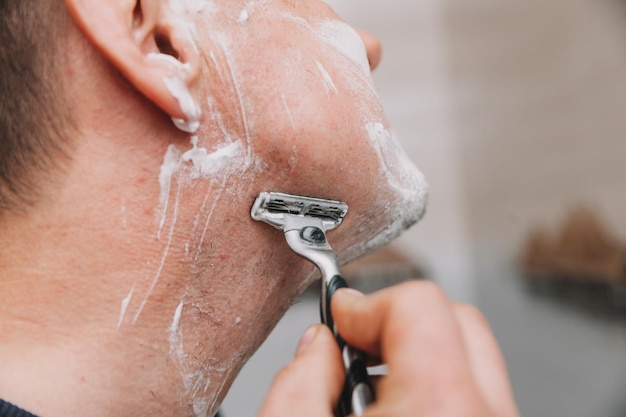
(288, 212)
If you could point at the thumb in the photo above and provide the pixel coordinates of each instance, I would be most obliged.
(310, 385)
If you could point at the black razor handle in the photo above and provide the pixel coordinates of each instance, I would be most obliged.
(358, 392)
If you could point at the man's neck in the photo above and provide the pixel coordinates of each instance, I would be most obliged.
(117, 307)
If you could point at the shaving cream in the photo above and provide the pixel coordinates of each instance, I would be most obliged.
(205, 164)
(177, 87)
(343, 38)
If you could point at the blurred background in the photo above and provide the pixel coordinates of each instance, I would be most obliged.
(516, 113)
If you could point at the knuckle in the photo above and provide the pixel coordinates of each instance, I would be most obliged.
(432, 291)
(413, 299)
(280, 376)
(413, 291)
(285, 374)
(471, 314)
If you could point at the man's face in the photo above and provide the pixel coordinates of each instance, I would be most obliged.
(286, 93)
(287, 104)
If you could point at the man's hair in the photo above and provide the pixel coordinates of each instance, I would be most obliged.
(33, 115)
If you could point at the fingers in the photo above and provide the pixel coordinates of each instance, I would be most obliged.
(442, 359)
(419, 335)
(486, 361)
(408, 325)
(311, 384)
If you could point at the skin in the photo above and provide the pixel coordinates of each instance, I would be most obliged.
(139, 283)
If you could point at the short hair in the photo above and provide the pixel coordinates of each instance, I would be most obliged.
(33, 113)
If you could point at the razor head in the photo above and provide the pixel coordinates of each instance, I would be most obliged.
(288, 212)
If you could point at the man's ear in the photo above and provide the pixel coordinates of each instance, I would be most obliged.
(151, 53)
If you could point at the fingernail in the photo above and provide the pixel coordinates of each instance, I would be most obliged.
(307, 339)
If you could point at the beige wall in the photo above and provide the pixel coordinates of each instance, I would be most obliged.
(514, 110)
(540, 111)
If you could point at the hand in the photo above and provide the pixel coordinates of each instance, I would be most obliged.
(442, 359)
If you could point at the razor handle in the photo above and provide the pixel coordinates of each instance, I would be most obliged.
(358, 392)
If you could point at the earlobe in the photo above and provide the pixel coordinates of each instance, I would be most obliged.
(155, 56)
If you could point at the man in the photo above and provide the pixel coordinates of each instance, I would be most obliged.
(132, 279)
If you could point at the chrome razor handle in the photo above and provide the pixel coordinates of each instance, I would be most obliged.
(358, 392)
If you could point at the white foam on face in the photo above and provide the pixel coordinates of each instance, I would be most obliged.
(175, 64)
(287, 111)
(188, 7)
(345, 57)
(403, 177)
(234, 75)
(243, 16)
(177, 87)
(205, 164)
(169, 167)
(176, 82)
(196, 163)
(175, 334)
(295, 19)
(201, 163)
(124, 307)
(329, 85)
(343, 38)
(188, 106)
(196, 381)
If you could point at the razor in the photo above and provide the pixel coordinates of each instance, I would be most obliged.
(305, 221)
